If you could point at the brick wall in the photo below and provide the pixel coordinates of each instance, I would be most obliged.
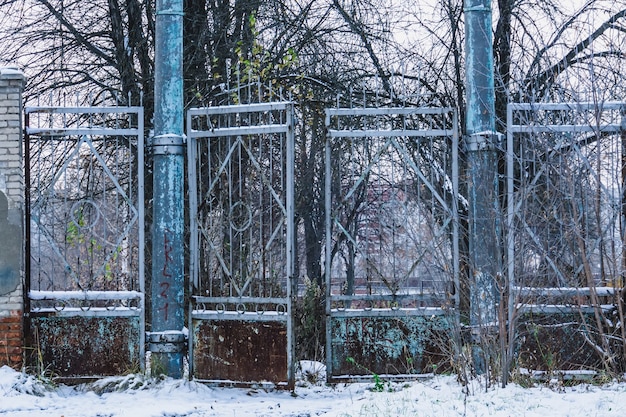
(11, 218)
(12, 339)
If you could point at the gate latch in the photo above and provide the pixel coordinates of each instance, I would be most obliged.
(170, 341)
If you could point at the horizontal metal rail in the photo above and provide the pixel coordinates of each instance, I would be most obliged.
(383, 111)
(578, 106)
(383, 377)
(72, 303)
(548, 308)
(240, 131)
(387, 297)
(272, 316)
(89, 312)
(85, 295)
(82, 131)
(241, 300)
(380, 133)
(562, 308)
(578, 128)
(260, 312)
(564, 291)
(238, 109)
(390, 312)
(82, 110)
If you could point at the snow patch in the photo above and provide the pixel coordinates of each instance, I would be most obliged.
(136, 395)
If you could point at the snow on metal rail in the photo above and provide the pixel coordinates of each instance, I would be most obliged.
(555, 308)
(88, 303)
(85, 295)
(564, 291)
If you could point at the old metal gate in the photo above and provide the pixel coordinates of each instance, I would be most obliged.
(392, 263)
(85, 257)
(240, 167)
(565, 226)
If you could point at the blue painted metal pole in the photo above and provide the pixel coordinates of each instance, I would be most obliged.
(481, 145)
(166, 338)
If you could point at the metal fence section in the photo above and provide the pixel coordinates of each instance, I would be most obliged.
(565, 224)
(241, 188)
(85, 251)
(391, 255)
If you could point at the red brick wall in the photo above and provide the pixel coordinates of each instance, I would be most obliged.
(11, 340)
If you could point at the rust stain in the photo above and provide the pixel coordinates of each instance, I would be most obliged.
(240, 351)
(85, 346)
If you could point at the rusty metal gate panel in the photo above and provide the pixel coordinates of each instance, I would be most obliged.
(85, 251)
(240, 166)
(565, 232)
(391, 255)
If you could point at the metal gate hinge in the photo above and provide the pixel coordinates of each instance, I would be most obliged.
(170, 12)
(168, 144)
(170, 341)
(478, 8)
(487, 140)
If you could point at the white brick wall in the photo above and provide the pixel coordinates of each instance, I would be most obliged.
(11, 87)
(11, 164)
(11, 302)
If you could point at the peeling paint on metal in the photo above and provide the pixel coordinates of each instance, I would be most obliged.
(399, 345)
(168, 309)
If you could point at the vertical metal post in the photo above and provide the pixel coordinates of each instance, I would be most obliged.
(166, 339)
(292, 289)
(28, 336)
(141, 235)
(482, 167)
(328, 243)
(622, 275)
(192, 184)
(510, 238)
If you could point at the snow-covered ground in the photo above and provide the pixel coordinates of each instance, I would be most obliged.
(442, 396)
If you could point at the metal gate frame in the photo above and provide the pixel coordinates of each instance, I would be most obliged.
(416, 312)
(58, 321)
(207, 312)
(553, 304)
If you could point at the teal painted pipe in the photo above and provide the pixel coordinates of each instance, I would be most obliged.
(482, 157)
(166, 338)
(480, 93)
